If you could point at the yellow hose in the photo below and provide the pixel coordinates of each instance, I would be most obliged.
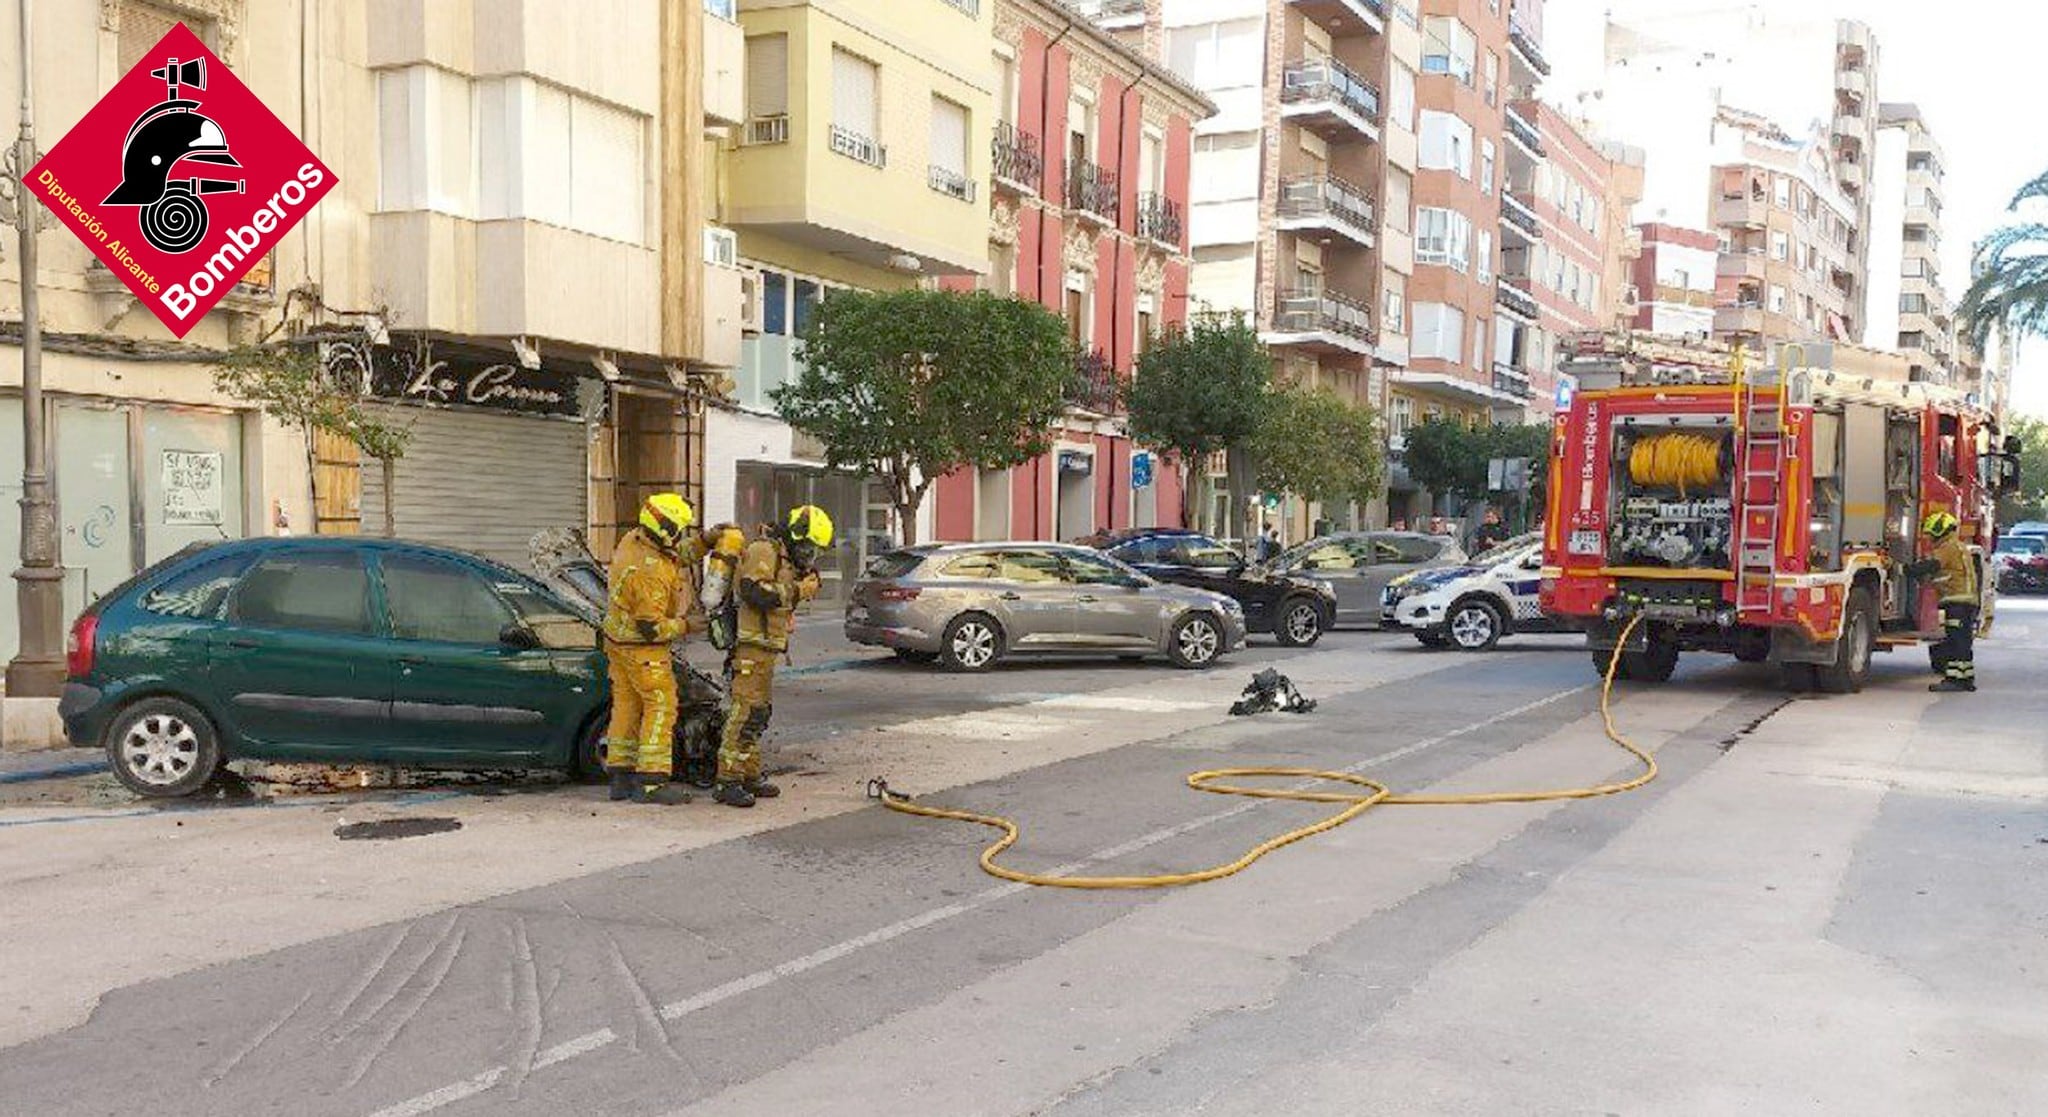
(1377, 794)
(1675, 459)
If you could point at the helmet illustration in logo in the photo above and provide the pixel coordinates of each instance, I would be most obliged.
(173, 212)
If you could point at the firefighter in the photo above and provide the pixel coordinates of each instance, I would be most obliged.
(647, 611)
(1954, 574)
(777, 573)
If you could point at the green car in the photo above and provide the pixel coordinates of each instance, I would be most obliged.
(335, 651)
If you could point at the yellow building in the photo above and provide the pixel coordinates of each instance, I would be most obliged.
(862, 162)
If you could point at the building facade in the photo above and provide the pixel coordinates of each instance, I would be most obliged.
(1674, 278)
(1790, 246)
(1086, 217)
(1909, 304)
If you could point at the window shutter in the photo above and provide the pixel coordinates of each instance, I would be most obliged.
(768, 75)
(949, 136)
(853, 94)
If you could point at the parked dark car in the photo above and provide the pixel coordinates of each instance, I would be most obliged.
(1296, 608)
(331, 651)
(1358, 565)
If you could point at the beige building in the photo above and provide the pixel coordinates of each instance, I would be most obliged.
(1789, 269)
(1909, 303)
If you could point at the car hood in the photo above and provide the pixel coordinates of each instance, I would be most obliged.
(1435, 577)
(1187, 595)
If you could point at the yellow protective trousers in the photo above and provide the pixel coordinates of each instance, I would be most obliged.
(751, 687)
(641, 736)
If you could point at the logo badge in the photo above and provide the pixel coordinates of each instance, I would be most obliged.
(180, 180)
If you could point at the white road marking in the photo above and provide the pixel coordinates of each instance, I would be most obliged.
(761, 979)
(1130, 703)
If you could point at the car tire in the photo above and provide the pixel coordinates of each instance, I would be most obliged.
(911, 655)
(1432, 639)
(1474, 625)
(163, 748)
(588, 764)
(1298, 623)
(1195, 642)
(1851, 666)
(973, 642)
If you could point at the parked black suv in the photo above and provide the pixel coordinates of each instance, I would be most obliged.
(1296, 609)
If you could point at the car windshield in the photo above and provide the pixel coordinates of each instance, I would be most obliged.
(1503, 551)
(2022, 545)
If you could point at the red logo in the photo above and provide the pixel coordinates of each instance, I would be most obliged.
(179, 180)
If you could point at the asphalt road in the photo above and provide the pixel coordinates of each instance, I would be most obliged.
(1822, 905)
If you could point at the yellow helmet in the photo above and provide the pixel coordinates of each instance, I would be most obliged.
(1939, 525)
(667, 516)
(727, 541)
(809, 524)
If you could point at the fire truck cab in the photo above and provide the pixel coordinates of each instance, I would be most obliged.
(1761, 509)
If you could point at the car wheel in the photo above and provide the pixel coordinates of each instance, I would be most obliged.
(588, 765)
(1851, 667)
(1195, 642)
(1300, 625)
(163, 748)
(973, 642)
(910, 655)
(1474, 624)
(1432, 639)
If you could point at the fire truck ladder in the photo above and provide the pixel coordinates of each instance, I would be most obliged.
(1759, 466)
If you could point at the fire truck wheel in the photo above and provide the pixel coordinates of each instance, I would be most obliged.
(1602, 657)
(1796, 677)
(1852, 652)
(1657, 660)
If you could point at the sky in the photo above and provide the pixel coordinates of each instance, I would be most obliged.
(1976, 72)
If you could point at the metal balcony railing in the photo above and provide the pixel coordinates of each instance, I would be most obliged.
(1159, 218)
(1094, 385)
(1507, 378)
(1304, 311)
(768, 130)
(1326, 79)
(951, 183)
(1516, 211)
(1521, 128)
(1525, 43)
(1326, 196)
(862, 149)
(1511, 293)
(1092, 189)
(1017, 157)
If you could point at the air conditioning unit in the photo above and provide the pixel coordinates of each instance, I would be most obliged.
(750, 302)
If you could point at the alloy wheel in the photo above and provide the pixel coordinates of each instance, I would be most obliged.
(160, 749)
(974, 644)
(1198, 641)
(1303, 623)
(1472, 627)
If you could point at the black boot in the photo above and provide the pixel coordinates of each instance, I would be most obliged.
(734, 795)
(762, 789)
(668, 793)
(625, 784)
(1954, 686)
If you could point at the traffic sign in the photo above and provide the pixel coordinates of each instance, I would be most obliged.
(1141, 469)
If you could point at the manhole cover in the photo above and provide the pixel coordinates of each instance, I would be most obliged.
(385, 829)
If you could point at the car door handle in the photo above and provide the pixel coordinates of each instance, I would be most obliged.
(1009, 597)
(242, 642)
(1086, 599)
(412, 660)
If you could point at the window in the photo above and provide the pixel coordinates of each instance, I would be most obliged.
(1394, 315)
(1491, 74)
(1030, 568)
(1401, 104)
(1783, 188)
(1485, 256)
(949, 150)
(1439, 332)
(855, 82)
(1486, 166)
(1152, 550)
(1444, 237)
(1479, 343)
(1448, 47)
(426, 152)
(198, 592)
(143, 25)
(1218, 55)
(431, 599)
(767, 76)
(1401, 412)
(306, 591)
(1778, 298)
(1202, 553)
(545, 154)
(774, 302)
(1400, 188)
(804, 302)
(981, 565)
(1446, 143)
(1006, 85)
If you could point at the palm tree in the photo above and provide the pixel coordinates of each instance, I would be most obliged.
(2009, 294)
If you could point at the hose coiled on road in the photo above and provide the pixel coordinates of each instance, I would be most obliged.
(1375, 794)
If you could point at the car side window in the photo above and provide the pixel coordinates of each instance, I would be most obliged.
(981, 566)
(1152, 550)
(1206, 554)
(1331, 556)
(1088, 570)
(434, 599)
(558, 627)
(307, 591)
(1415, 550)
(1031, 568)
(197, 593)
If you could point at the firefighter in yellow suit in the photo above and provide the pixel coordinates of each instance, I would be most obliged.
(776, 574)
(1953, 573)
(647, 612)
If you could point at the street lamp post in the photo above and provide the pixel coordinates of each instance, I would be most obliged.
(37, 670)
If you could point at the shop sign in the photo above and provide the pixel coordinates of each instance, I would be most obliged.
(417, 373)
(193, 488)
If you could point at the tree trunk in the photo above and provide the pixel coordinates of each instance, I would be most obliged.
(390, 467)
(1188, 494)
(1237, 468)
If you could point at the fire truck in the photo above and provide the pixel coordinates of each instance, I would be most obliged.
(1765, 509)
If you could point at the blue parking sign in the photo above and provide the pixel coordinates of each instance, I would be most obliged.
(1141, 469)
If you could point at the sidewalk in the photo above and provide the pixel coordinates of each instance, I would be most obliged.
(43, 764)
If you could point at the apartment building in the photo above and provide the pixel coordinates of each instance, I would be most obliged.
(1909, 304)
(507, 263)
(1789, 242)
(862, 162)
(1087, 205)
(1674, 277)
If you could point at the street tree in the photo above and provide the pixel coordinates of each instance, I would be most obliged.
(1202, 390)
(908, 386)
(289, 383)
(1450, 458)
(1319, 447)
(2031, 501)
(2009, 294)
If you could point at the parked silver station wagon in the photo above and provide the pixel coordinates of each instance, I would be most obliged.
(968, 605)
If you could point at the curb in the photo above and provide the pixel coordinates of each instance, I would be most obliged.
(58, 772)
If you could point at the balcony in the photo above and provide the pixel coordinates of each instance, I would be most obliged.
(767, 130)
(859, 148)
(725, 66)
(1017, 159)
(1326, 203)
(1321, 321)
(1746, 263)
(1092, 193)
(1516, 214)
(1856, 83)
(1326, 97)
(1526, 51)
(949, 182)
(1752, 212)
(1112, 15)
(1094, 385)
(1511, 381)
(1524, 132)
(1371, 13)
(1739, 318)
(1512, 293)
(1159, 219)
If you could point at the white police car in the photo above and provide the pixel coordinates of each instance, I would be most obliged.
(1472, 606)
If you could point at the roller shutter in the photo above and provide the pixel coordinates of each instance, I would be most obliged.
(482, 482)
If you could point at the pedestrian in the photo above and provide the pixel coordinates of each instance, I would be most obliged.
(1400, 524)
(777, 572)
(1269, 544)
(1954, 576)
(646, 611)
(1491, 533)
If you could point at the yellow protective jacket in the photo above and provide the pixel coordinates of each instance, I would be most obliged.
(650, 596)
(769, 592)
(1957, 578)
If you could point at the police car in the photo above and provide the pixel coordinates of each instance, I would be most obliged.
(1471, 607)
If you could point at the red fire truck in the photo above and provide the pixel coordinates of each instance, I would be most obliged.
(1761, 509)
